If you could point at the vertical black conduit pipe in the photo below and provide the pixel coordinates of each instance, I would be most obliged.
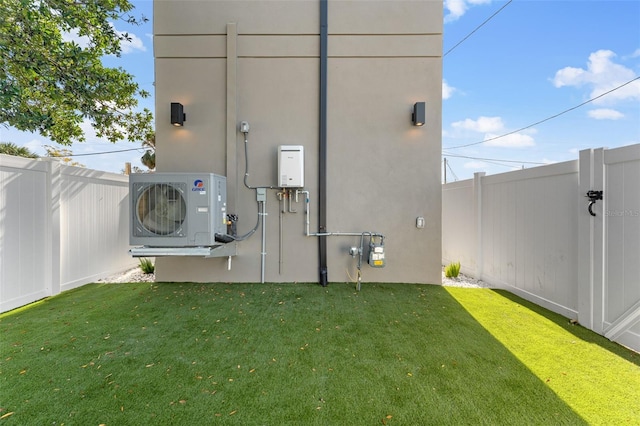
(322, 157)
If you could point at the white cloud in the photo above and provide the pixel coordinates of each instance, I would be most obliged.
(569, 76)
(36, 146)
(476, 2)
(126, 46)
(635, 54)
(493, 127)
(457, 8)
(447, 91)
(514, 140)
(481, 125)
(601, 75)
(69, 36)
(89, 132)
(132, 44)
(605, 114)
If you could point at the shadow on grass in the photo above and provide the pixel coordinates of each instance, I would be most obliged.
(577, 330)
(263, 354)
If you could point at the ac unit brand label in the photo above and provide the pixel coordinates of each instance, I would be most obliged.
(198, 185)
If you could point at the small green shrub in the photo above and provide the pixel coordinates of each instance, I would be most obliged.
(147, 266)
(452, 270)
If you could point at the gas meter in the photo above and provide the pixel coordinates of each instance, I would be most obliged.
(376, 252)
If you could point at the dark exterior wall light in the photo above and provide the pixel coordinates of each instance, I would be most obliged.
(178, 117)
(418, 116)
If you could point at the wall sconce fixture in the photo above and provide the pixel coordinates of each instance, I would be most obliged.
(178, 117)
(417, 116)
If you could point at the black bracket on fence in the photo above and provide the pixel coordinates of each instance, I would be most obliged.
(593, 196)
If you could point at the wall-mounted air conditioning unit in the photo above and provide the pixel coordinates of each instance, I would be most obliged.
(177, 209)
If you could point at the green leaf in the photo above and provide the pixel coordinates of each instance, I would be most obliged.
(51, 86)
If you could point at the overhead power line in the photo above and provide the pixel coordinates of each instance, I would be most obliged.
(495, 163)
(104, 152)
(494, 159)
(546, 119)
(477, 28)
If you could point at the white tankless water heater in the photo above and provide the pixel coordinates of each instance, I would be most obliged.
(291, 166)
(177, 209)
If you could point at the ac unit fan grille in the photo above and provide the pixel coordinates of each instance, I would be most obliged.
(160, 210)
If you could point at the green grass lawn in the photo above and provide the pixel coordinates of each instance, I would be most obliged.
(300, 354)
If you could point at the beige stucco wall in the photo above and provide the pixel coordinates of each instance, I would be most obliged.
(382, 172)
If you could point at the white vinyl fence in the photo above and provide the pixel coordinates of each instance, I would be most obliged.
(530, 232)
(60, 227)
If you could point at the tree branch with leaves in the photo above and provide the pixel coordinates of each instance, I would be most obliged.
(51, 86)
(149, 157)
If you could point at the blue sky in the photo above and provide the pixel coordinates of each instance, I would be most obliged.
(137, 59)
(531, 61)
